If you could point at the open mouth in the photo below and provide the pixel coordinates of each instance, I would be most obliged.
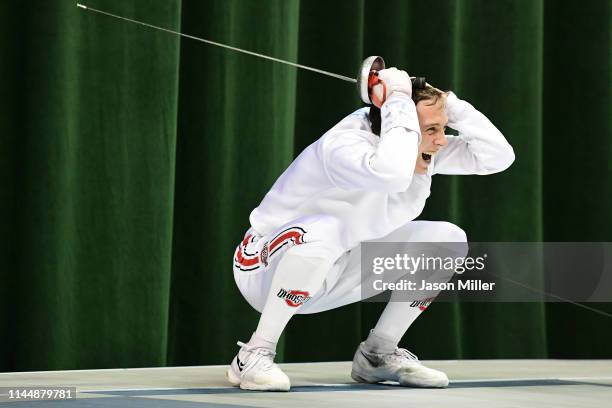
(426, 157)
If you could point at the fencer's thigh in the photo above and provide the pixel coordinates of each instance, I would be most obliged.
(346, 287)
(257, 257)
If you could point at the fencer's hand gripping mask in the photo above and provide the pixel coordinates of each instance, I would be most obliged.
(367, 79)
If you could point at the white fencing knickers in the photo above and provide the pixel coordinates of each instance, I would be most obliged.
(256, 259)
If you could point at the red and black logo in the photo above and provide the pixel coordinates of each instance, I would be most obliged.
(421, 304)
(294, 298)
(250, 261)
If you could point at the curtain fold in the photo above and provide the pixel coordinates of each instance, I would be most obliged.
(130, 160)
(90, 140)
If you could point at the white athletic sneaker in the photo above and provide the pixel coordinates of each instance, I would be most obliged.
(254, 369)
(401, 365)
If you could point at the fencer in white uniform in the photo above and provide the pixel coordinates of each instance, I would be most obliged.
(301, 254)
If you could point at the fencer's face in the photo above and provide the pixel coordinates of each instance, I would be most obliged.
(432, 121)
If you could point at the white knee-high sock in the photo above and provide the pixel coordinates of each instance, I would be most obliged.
(397, 317)
(393, 323)
(297, 278)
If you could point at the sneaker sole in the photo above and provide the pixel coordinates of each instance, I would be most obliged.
(408, 382)
(232, 378)
(404, 382)
(362, 378)
(247, 385)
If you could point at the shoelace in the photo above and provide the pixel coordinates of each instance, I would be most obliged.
(258, 354)
(403, 353)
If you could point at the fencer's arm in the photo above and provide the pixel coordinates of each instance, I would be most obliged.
(357, 160)
(480, 147)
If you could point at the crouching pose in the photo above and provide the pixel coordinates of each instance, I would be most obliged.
(366, 179)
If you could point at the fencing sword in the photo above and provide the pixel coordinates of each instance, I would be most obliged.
(367, 76)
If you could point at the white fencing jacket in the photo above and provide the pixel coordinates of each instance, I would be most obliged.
(368, 182)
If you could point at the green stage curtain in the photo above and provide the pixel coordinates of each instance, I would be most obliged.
(130, 160)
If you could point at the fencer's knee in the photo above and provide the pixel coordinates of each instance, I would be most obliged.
(455, 238)
(453, 233)
(449, 232)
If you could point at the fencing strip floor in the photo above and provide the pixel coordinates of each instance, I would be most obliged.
(474, 384)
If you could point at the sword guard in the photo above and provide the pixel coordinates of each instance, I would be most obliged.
(369, 68)
(367, 79)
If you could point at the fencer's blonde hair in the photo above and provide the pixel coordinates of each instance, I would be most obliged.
(429, 93)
